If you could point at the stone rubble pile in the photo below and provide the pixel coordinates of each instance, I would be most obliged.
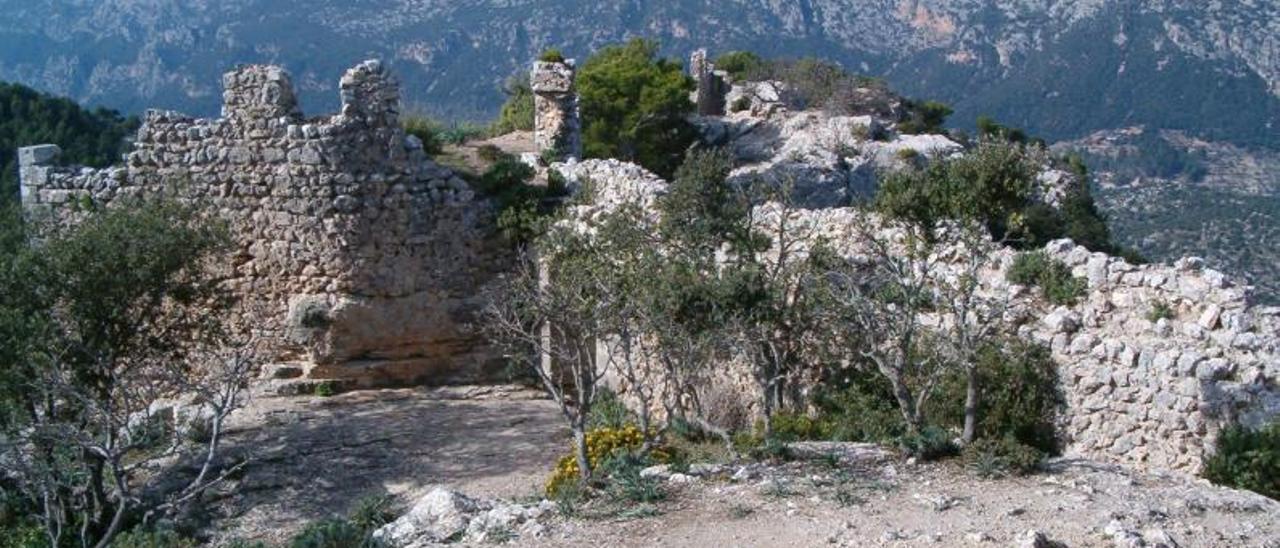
(444, 516)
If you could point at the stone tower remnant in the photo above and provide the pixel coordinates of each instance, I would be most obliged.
(712, 86)
(557, 130)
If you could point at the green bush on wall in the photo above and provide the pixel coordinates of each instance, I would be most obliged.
(1053, 277)
(1247, 459)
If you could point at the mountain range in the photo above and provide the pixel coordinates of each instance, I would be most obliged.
(1198, 80)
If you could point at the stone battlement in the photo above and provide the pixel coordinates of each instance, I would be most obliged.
(357, 248)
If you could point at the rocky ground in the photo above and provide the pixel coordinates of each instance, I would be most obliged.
(315, 457)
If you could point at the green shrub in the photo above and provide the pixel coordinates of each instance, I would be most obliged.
(1019, 396)
(863, 411)
(1053, 277)
(990, 129)
(995, 184)
(740, 65)
(608, 411)
(930, 443)
(772, 449)
(634, 107)
(22, 535)
(460, 133)
(372, 512)
(924, 117)
(333, 533)
(788, 427)
(522, 211)
(999, 457)
(908, 154)
(151, 539)
(1160, 311)
(740, 104)
(491, 154)
(326, 389)
(426, 130)
(557, 185)
(991, 184)
(551, 55)
(517, 110)
(625, 484)
(1247, 459)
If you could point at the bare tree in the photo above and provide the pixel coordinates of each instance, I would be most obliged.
(549, 315)
(972, 317)
(883, 301)
(777, 330)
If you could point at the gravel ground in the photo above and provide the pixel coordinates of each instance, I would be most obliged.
(315, 457)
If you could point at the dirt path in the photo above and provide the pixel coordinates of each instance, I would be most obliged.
(1077, 504)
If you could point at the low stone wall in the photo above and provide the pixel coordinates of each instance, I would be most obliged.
(1155, 393)
(356, 256)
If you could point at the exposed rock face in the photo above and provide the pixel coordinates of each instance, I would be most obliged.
(556, 127)
(830, 161)
(356, 256)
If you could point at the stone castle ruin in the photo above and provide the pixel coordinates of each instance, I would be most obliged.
(357, 257)
(363, 261)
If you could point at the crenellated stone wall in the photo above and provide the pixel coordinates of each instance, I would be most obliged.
(357, 257)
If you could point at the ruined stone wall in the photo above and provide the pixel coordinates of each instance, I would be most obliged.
(1155, 391)
(1140, 390)
(358, 256)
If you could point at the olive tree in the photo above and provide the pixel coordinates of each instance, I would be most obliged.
(102, 323)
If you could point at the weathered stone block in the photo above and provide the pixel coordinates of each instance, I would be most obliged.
(39, 155)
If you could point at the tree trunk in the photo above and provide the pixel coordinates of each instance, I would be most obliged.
(580, 450)
(970, 404)
(906, 405)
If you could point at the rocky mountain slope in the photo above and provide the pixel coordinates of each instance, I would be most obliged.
(1062, 69)
(1168, 195)
(1059, 68)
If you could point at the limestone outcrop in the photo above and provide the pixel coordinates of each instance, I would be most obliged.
(356, 257)
(444, 516)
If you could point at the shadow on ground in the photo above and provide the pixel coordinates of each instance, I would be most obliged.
(314, 458)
